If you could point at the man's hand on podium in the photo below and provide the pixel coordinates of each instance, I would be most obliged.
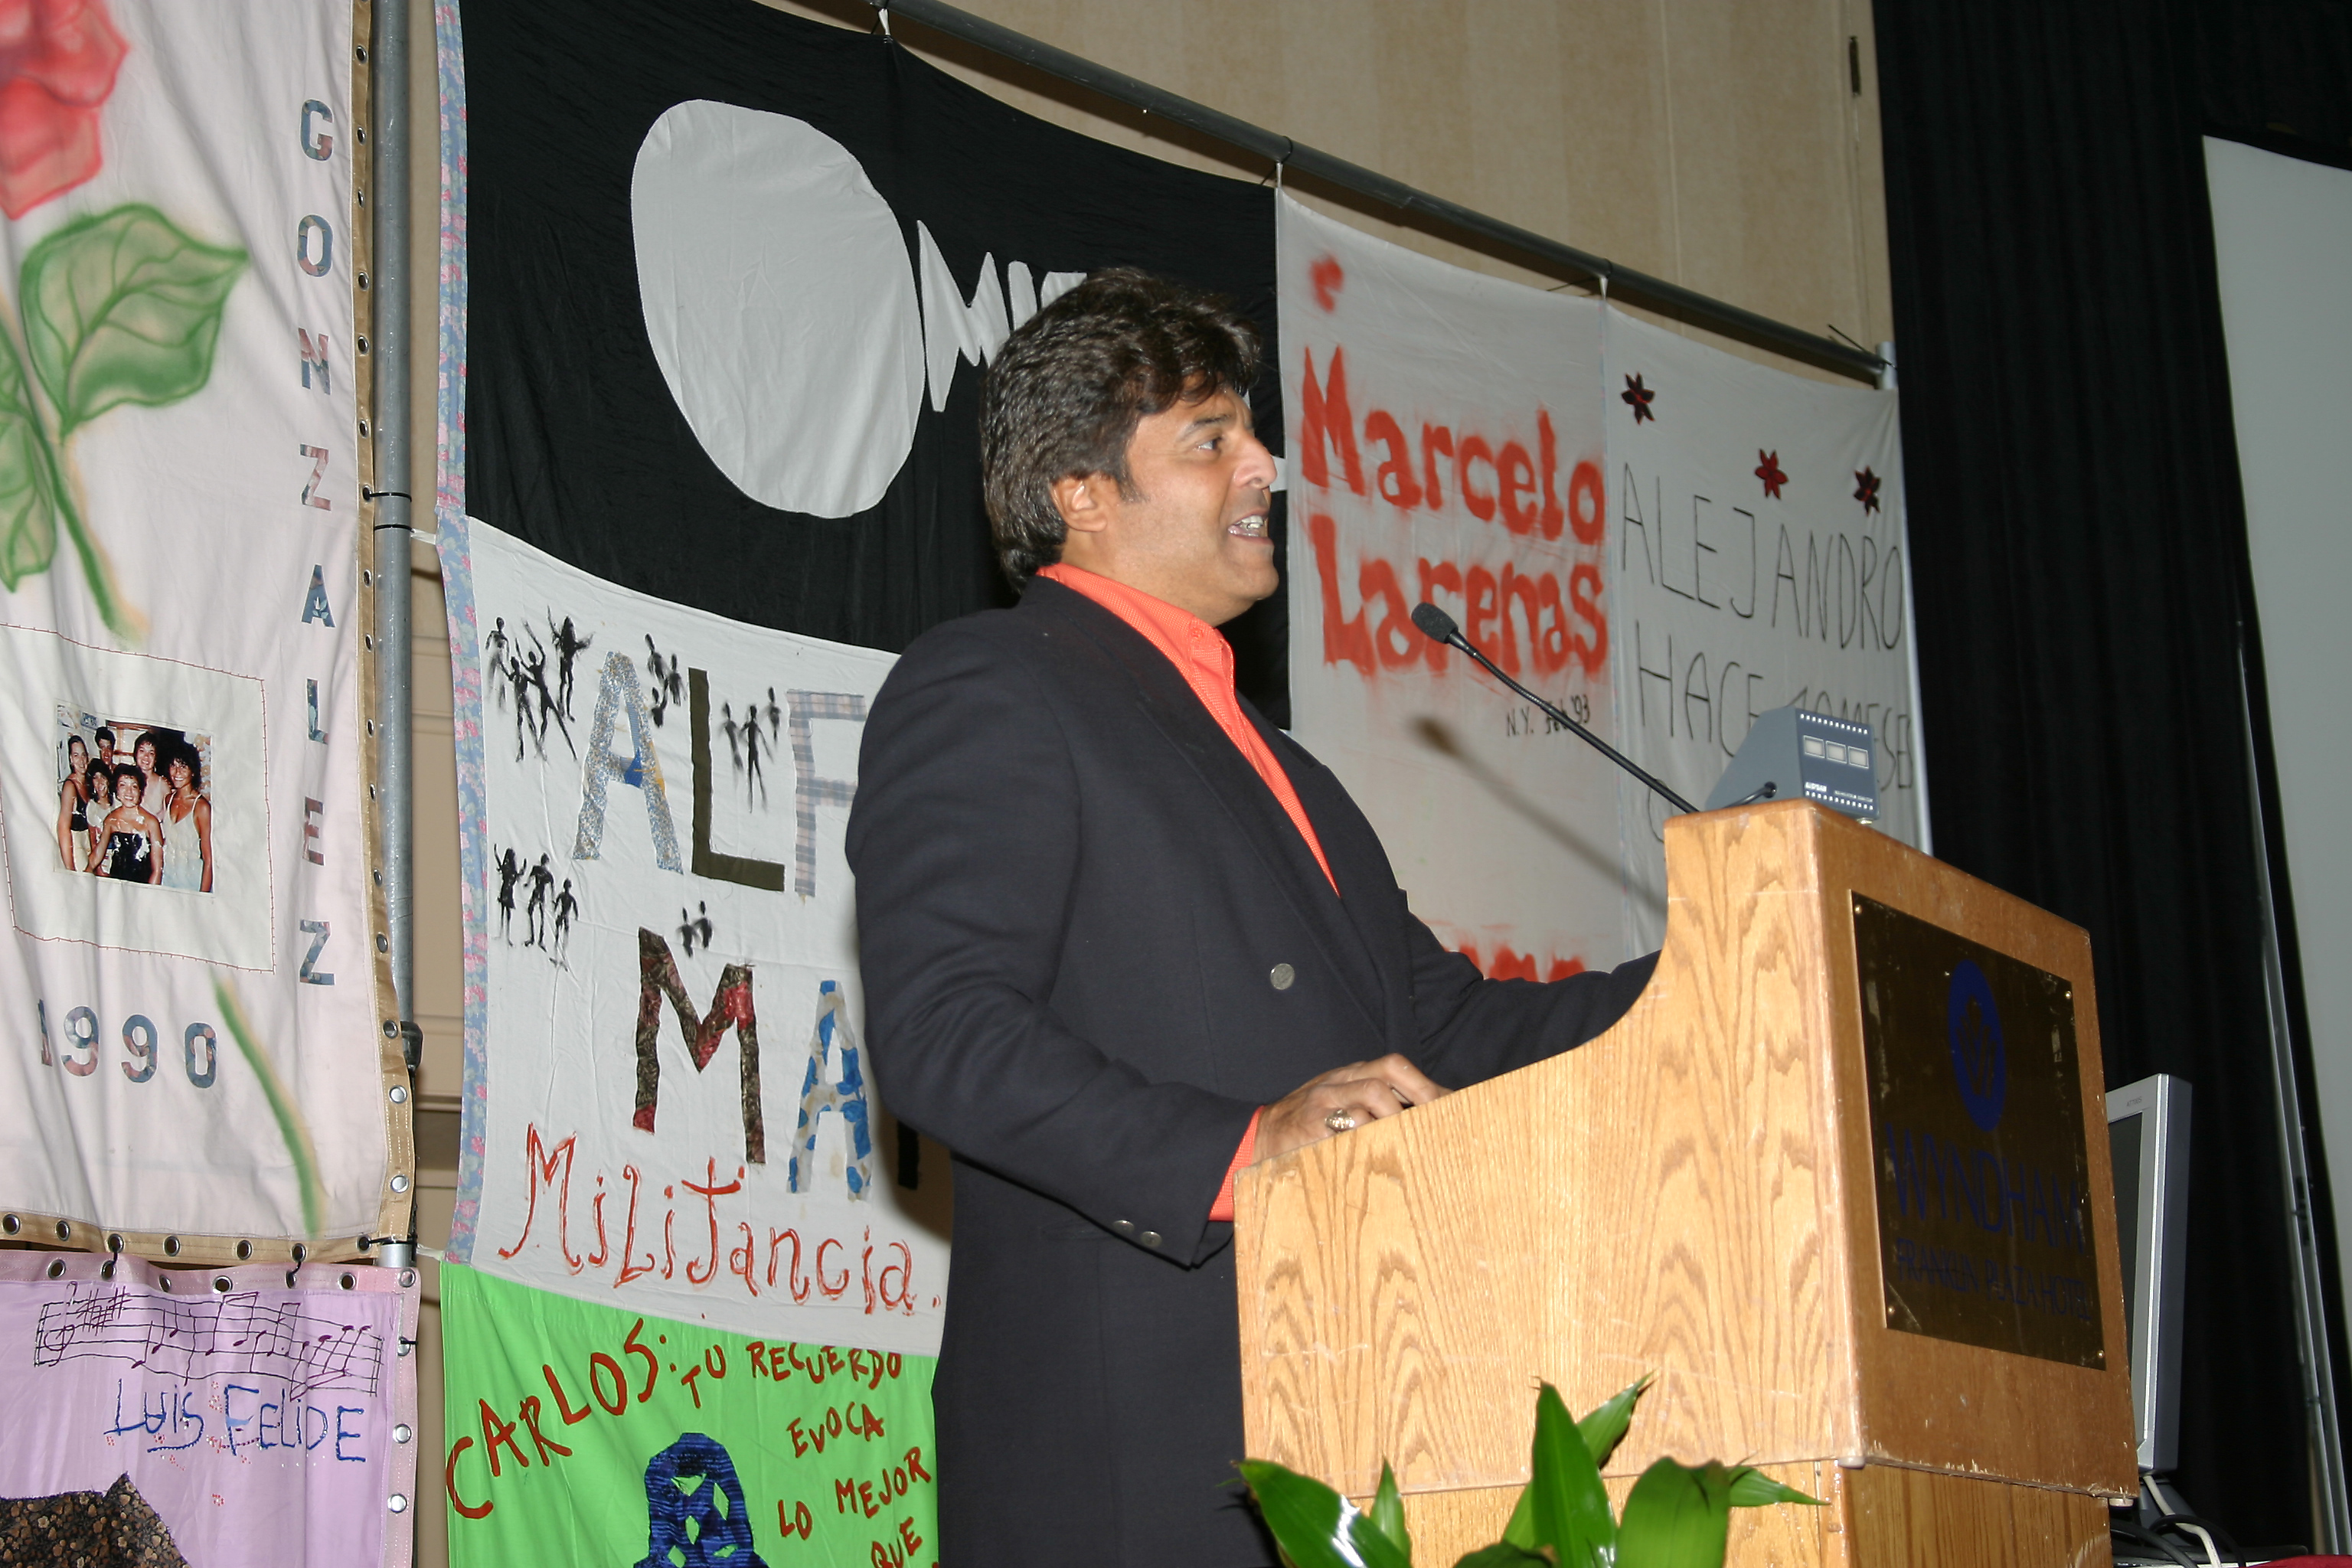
(1339, 1100)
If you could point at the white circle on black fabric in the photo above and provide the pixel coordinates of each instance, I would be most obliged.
(782, 308)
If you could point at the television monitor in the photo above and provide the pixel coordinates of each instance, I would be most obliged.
(2148, 1136)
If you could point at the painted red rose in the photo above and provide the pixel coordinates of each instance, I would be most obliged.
(58, 60)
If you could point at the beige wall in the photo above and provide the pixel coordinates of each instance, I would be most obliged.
(1717, 143)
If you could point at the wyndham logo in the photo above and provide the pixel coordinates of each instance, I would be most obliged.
(1979, 1064)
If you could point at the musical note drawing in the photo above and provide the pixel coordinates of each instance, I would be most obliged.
(235, 1334)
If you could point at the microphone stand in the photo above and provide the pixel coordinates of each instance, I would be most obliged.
(1439, 626)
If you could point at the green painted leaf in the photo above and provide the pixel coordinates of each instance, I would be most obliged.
(29, 491)
(1503, 1555)
(1569, 1510)
(1315, 1526)
(1678, 1516)
(1605, 1426)
(1751, 1487)
(1388, 1512)
(122, 308)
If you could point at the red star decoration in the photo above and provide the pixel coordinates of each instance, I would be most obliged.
(1865, 489)
(1768, 468)
(1638, 397)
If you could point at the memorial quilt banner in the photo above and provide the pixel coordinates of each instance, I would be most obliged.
(580, 1432)
(731, 277)
(200, 1066)
(253, 1415)
(1446, 448)
(714, 318)
(677, 1117)
(1757, 561)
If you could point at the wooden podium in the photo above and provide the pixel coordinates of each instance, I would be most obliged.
(1703, 1194)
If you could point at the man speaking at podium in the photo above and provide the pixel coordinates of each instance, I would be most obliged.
(1121, 938)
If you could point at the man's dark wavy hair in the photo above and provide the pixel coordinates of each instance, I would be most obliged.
(1066, 392)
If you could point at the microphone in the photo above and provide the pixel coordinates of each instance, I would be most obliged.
(1439, 626)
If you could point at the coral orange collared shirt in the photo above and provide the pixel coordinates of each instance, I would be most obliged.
(1205, 660)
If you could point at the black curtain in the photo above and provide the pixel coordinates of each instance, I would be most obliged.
(2277, 72)
(2081, 573)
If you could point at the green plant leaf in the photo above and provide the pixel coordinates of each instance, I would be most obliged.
(1521, 1530)
(28, 483)
(1503, 1555)
(122, 307)
(1387, 1512)
(1751, 1487)
(1569, 1508)
(1373, 1546)
(1604, 1426)
(1678, 1516)
(1602, 1430)
(1315, 1526)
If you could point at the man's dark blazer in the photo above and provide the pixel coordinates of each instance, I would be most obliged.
(1092, 944)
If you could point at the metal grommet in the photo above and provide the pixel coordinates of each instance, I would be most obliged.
(346, 1282)
(1282, 976)
(404, 1433)
(170, 1246)
(244, 1251)
(407, 1278)
(163, 1283)
(399, 1183)
(290, 1278)
(56, 1267)
(10, 1225)
(301, 1253)
(114, 1241)
(390, 1029)
(400, 1094)
(221, 1283)
(397, 1503)
(64, 1231)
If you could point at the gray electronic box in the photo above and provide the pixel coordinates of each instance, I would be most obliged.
(1791, 752)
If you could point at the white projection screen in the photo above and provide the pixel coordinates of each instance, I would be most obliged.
(2282, 240)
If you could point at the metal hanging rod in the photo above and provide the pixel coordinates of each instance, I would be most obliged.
(1281, 150)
